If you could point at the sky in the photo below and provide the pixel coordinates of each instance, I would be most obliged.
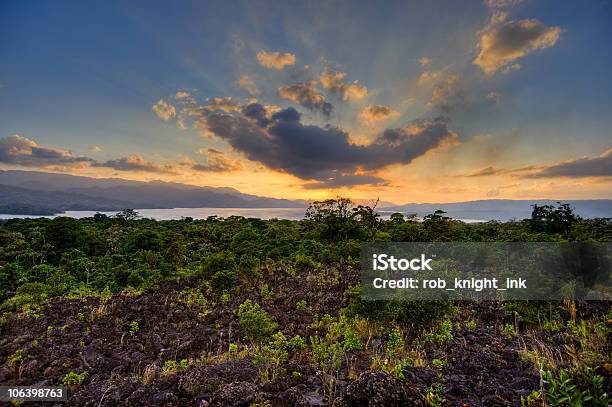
(407, 101)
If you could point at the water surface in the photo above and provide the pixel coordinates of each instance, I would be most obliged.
(203, 213)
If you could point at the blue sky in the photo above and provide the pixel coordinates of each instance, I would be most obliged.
(81, 74)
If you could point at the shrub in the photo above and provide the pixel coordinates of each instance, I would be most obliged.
(223, 280)
(255, 322)
(269, 358)
(351, 341)
(297, 343)
(17, 357)
(440, 334)
(217, 262)
(170, 367)
(509, 329)
(394, 348)
(419, 314)
(134, 328)
(439, 363)
(470, 325)
(435, 396)
(534, 399)
(74, 379)
(327, 357)
(564, 389)
(577, 387)
(304, 261)
(28, 296)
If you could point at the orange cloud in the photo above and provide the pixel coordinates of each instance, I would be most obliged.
(376, 113)
(275, 60)
(246, 83)
(501, 44)
(334, 82)
(164, 110)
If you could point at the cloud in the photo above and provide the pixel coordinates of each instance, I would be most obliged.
(225, 104)
(246, 83)
(489, 171)
(135, 162)
(375, 113)
(334, 82)
(305, 94)
(275, 60)
(424, 61)
(22, 151)
(185, 98)
(513, 67)
(95, 149)
(447, 90)
(484, 172)
(19, 150)
(447, 94)
(164, 110)
(217, 161)
(348, 180)
(501, 3)
(354, 91)
(599, 166)
(323, 154)
(501, 44)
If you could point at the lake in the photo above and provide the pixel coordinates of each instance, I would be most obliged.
(203, 213)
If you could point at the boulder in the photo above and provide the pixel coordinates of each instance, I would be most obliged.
(237, 394)
(380, 389)
(205, 380)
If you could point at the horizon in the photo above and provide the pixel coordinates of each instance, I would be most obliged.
(359, 200)
(447, 104)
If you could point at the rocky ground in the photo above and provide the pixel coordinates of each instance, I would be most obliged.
(125, 365)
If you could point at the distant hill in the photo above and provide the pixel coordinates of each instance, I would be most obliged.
(504, 209)
(22, 201)
(40, 193)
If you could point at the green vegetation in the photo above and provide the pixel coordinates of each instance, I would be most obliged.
(44, 258)
(134, 328)
(270, 358)
(235, 274)
(256, 322)
(74, 378)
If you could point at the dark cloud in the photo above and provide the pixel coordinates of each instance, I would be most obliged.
(258, 113)
(18, 150)
(324, 154)
(305, 94)
(287, 115)
(600, 166)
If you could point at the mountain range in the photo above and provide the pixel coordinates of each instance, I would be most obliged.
(40, 193)
(43, 193)
(504, 209)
